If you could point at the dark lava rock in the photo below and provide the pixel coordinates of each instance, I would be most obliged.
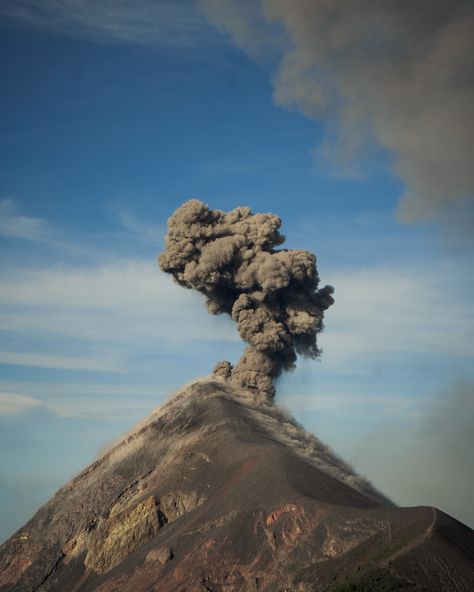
(216, 492)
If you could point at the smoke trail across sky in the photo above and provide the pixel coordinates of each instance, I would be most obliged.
(271, 294)
(383, 73)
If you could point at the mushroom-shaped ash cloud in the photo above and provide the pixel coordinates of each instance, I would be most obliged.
(271, 294)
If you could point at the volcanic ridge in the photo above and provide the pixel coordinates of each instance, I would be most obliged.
(216, 492)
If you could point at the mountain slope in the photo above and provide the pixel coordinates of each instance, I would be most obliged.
(215, 492)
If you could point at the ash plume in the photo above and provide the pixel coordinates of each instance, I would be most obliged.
(271, 294)
(379, 73)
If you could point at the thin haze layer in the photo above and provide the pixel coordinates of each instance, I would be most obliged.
(397, 73)
(271, 294)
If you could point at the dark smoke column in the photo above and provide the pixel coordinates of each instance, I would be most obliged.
(271, 294)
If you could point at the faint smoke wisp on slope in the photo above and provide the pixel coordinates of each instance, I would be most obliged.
(271, 294)
(382, 72)
(428, 458)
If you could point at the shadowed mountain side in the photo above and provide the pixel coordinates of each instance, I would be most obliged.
(216, 492)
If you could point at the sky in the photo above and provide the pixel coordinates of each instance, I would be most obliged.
(358, 134)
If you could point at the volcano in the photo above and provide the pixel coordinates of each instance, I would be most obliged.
(216, 492)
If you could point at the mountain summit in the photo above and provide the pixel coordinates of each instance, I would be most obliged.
(216, 492)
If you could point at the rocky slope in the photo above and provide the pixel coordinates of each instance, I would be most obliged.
(215, 492)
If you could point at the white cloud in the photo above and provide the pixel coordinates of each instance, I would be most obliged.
(384, 311)
(112, 310)
(14, 225)
(144, 231)
(66, 400)
(118, 301)
(348, 399)
(42, 390)
(125, 318)
(57, 361)
(110, 408)
(115, 21)
(15, 404)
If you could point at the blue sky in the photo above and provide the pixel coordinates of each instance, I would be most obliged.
(107, 126)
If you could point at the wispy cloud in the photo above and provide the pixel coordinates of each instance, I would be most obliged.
(163, 22)
(349, 400)
(13, 224)
(384, 311)
(16, 404)
(16, 225)
(116, 307)
(123, 319)
(58, 361)
(71, 400)
(42, 390)
(121, 301)
(143, 231)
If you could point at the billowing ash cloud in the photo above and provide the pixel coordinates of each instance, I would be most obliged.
(397, 73)
(271, 294)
